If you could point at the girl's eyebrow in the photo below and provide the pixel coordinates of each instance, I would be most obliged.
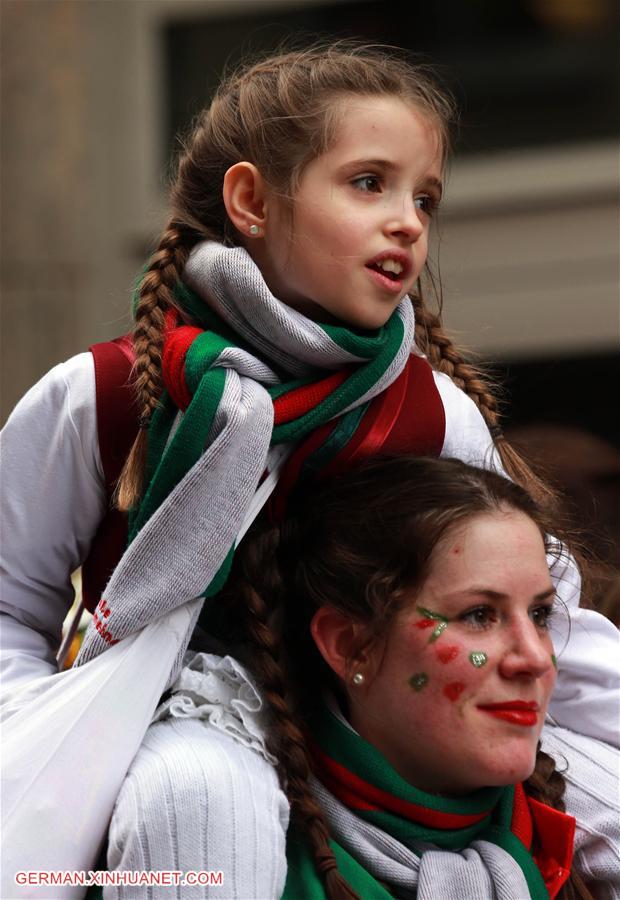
(388, 165)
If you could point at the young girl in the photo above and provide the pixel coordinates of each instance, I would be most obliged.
(283, 306)
(416, 632)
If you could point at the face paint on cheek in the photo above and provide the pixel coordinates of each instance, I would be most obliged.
(418, 681)
(440, 622)
(447, 654)
(554, 661)
(453, 690)
(478, 658)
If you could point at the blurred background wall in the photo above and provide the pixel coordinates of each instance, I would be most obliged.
(93, 92)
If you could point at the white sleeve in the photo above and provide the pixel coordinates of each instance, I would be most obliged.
(53, 498)
(591, 771)
(587, 645)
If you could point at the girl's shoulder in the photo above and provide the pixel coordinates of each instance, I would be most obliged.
(60, 407)
(467, 436)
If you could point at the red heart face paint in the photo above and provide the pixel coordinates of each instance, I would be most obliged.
(447, 654)
(454, 690)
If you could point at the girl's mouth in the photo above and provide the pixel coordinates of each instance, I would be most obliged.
(389, 281)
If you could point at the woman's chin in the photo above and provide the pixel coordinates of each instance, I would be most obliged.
(510, 770)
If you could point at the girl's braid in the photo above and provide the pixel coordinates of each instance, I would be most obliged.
(431, 338)
(286, 739)
(156, 295)
(442, 354)
(547, 785)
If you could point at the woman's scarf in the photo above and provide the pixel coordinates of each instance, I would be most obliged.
(390, 839)
(247, 376)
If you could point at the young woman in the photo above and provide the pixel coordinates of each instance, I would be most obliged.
(411, 671)
(283, 305)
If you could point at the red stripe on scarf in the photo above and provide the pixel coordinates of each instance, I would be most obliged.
(358, 794)
(176, 344)
(294, 404)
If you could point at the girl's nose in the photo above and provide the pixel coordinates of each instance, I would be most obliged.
(528, 653)
(405, 221)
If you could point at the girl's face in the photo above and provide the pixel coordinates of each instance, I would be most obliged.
(461, 691)
(358, 237)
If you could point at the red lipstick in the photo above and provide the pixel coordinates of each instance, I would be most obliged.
(517, 712)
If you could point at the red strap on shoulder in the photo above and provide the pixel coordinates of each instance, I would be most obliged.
(117, 427)
(117, 415)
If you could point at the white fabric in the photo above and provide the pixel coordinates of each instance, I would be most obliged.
(195, 799)
(93, 719)
(591, 770)
(57, 499)
(217, 690)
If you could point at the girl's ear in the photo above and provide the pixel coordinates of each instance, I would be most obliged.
(339, 641)
(244, 197)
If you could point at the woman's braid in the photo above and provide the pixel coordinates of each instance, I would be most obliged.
(547, 785)
(260, 577)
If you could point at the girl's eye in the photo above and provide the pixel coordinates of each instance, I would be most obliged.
(370, 184)
(480, 617)
(541, 615)
(426, 204)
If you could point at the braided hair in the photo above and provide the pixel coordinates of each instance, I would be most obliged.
(366, 560)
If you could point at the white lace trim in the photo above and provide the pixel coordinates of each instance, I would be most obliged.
(218, 690)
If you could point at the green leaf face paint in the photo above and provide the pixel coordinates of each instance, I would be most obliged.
(429, 620)
(418, 681)
(439, 630)
(554, 661)
(478, 658)
(428, 614)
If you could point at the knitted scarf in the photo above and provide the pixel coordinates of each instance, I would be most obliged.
(497, 842)
(249, 375)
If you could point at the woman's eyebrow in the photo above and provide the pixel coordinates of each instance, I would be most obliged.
(499, 595)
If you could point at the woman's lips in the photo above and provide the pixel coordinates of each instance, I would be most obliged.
(517, 712)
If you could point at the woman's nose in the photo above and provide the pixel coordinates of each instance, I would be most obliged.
(528, 653)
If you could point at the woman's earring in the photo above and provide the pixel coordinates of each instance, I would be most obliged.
(254, 230)
(358, 679)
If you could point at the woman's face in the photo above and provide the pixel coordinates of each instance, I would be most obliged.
(463, 682)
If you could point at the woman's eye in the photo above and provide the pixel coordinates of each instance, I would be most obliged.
(480, 617)
(370, 184)
(541, 615)
(426, 204)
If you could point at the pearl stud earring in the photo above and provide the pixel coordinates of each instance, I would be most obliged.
(358, 679)
(254, 230)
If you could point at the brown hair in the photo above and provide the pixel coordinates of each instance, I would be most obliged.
(367, 558)
(279, 114)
